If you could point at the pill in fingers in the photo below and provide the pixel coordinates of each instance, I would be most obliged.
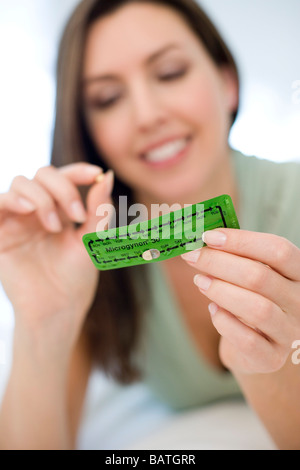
(108, 180)
(100, 178)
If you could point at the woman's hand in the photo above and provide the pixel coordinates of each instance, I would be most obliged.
(44, 267)
(253, 280)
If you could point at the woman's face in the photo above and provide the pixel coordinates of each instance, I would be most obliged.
(157, 107)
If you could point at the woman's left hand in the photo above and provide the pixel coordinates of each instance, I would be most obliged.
(253, 281)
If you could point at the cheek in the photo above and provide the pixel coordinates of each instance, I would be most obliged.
(111, 137)
(203, 103)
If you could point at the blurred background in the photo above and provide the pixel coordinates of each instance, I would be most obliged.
(264, 36)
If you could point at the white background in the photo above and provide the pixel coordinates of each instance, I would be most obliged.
(264, 36)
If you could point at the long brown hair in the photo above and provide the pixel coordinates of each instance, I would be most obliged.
(113, 323)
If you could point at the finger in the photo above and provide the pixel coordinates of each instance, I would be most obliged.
(253, 352)
(81, 173)
(10, 201)
(45, 206)
(247, 273)
(277, 252)
(99, 193)
(251, 308)
(60, 185)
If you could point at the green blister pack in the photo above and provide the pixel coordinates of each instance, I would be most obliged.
(160, 238)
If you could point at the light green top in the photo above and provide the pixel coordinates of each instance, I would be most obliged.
(269, 194)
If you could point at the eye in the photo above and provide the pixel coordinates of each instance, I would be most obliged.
(173, 75)
(97, 103)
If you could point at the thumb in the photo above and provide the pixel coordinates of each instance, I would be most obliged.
(99, 205)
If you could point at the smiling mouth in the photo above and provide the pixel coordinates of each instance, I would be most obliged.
(167, 152)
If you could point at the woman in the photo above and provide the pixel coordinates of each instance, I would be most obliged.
(149, 90)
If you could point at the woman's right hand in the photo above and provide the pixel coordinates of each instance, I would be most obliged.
(44, 267)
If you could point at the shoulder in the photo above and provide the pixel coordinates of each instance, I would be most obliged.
(267, 177)
(259, 167)
(273, 188)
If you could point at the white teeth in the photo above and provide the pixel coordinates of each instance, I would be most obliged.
(166, 151)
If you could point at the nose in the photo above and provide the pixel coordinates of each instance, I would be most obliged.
(149, 110)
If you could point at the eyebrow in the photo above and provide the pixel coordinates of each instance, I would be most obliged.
(148, 61)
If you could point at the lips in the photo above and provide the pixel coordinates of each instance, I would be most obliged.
(166, 152)
(161, 143)
(169, 154)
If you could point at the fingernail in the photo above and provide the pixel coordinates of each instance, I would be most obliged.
(94, 170)
(214, 238)
(213, 308)
(202, 282)
(78, 211)
(192, 256)
(109, 181)
(26, 204)
(53, 222)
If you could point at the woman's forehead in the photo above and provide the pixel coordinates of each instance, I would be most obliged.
(138, 31)
(139, 18)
